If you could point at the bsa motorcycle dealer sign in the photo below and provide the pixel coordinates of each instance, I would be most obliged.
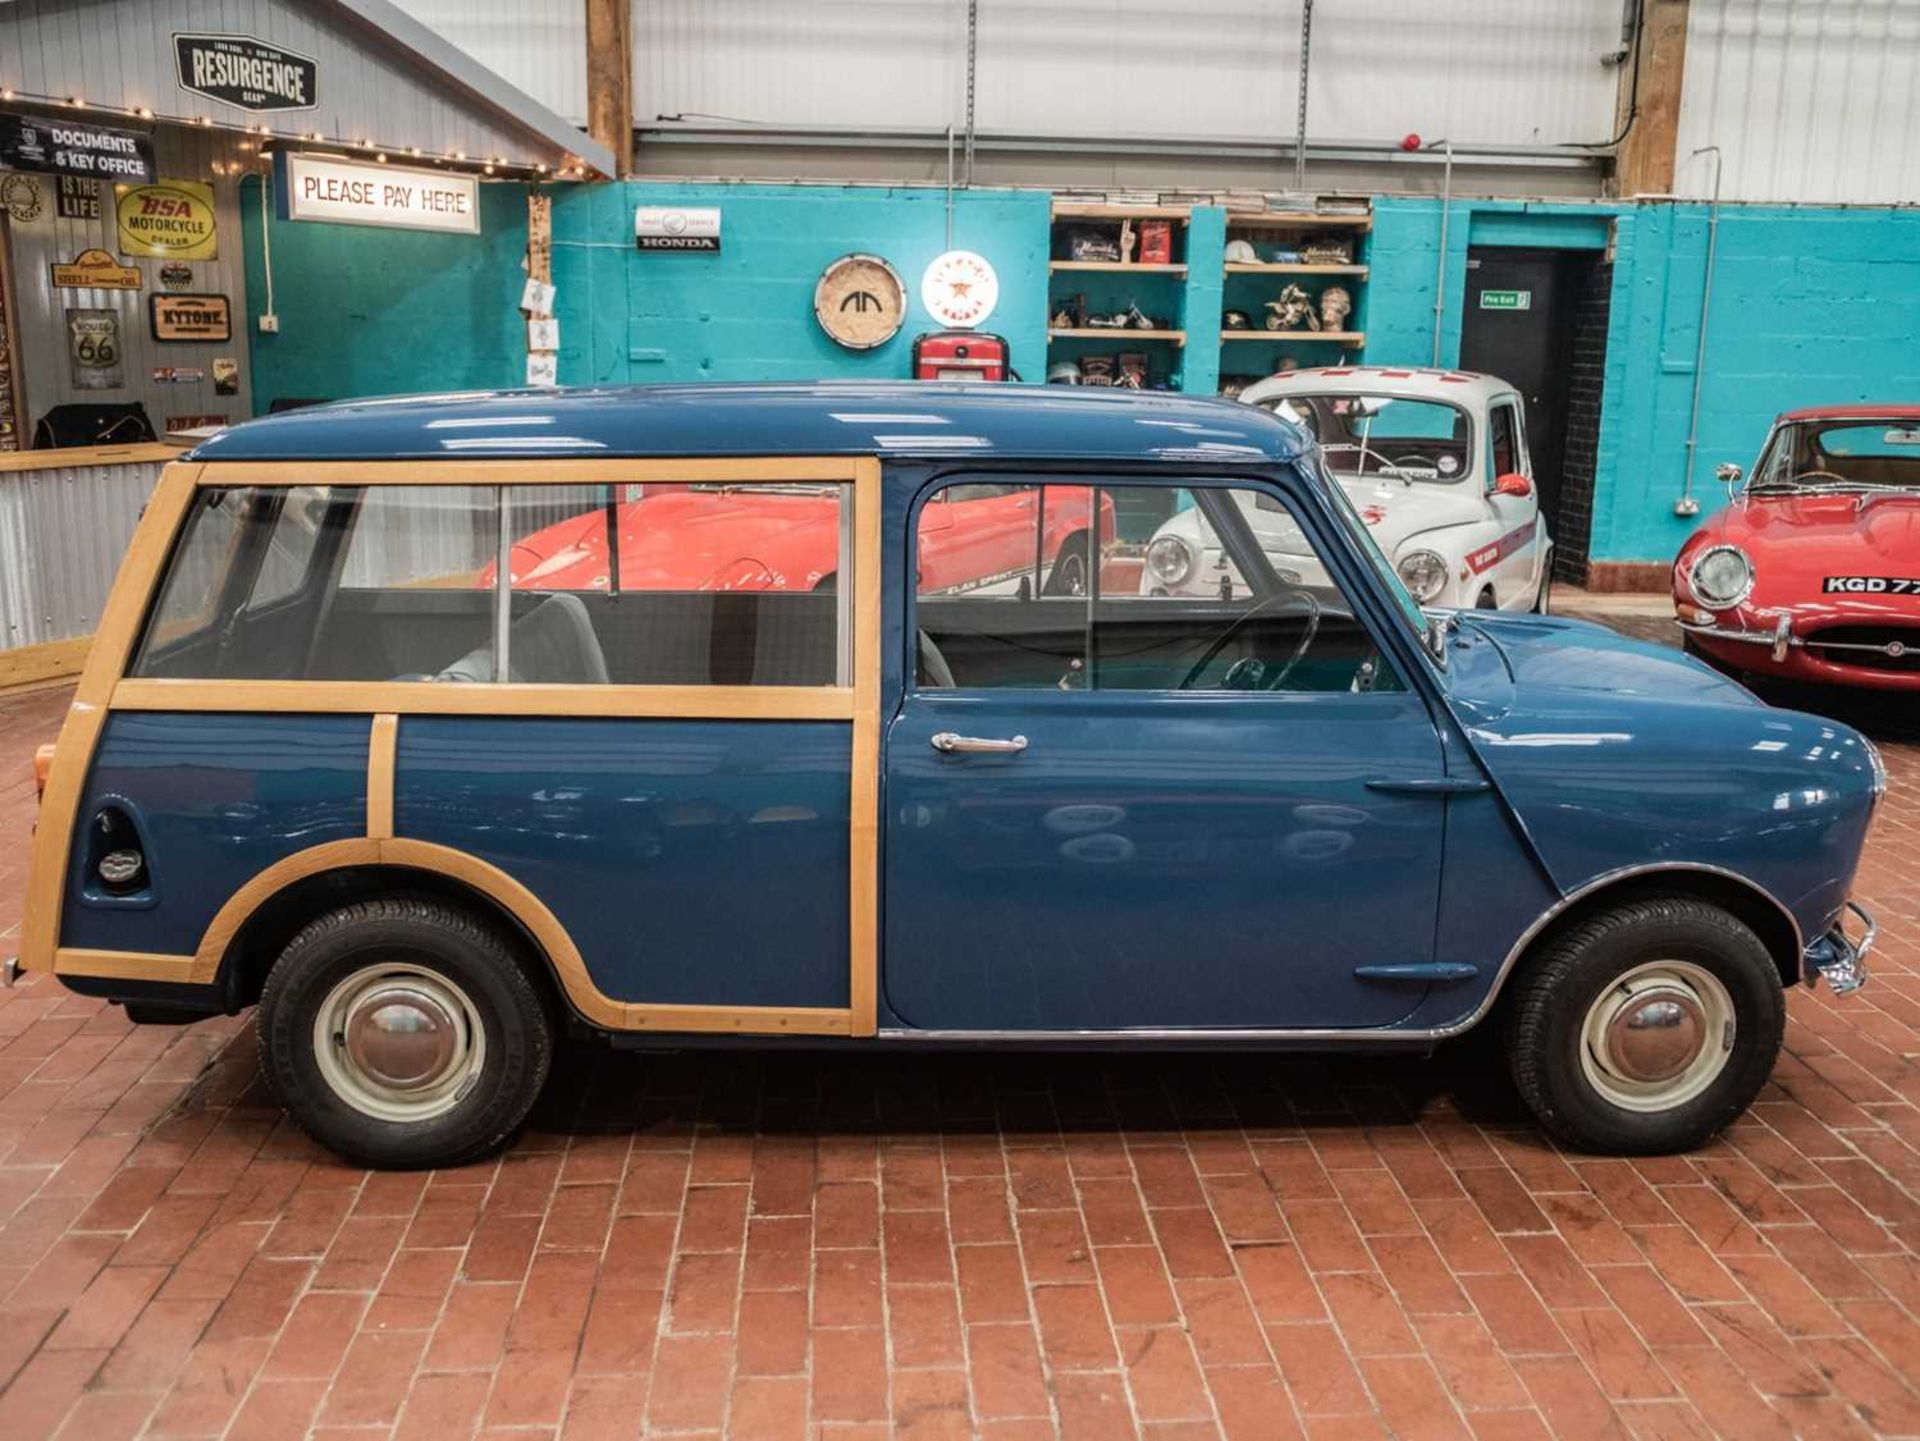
(173, 220)
(68, 147)
(313, 188)
(239, 70)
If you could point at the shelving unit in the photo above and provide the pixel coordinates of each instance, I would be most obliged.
(1297, 268)
(1298, 220)
(1115, 267)
(1294, 337)
(1107, 332)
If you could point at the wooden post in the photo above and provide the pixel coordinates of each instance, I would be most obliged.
(610, 78)
(1645, 162)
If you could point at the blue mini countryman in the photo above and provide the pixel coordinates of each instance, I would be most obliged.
(888, 715)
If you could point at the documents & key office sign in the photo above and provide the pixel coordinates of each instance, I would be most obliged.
(315, 187)
(240, 70)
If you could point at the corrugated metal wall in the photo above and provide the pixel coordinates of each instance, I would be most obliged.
(62, 534)
(1809, 100)
(121, 52)
(539, 46)
(43, 370)
(1517, 71)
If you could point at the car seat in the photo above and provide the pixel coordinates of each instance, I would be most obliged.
(552, 644)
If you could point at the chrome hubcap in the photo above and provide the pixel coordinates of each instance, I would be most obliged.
(1658, 1036)
(399, 1042)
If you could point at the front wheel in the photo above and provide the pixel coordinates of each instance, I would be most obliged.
(404, 1033)
(1646, 1029)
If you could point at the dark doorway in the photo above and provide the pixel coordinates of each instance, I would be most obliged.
(1538, 319)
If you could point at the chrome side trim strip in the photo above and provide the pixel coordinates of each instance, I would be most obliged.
(1410, 1036)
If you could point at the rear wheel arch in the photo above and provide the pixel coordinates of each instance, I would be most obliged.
(268, 929)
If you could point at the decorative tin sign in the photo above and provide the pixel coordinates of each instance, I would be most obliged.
(177, 424)
(176, 275)
(173, 220)
(860, 301)
(20, 197)
(94, 270)
(70, 147)
(960, 289)
(76, 198)
(657, 227)
(226, 375)
(313, 187)
(197, 318)
(179, 375)
(93, 350)
(240, 70)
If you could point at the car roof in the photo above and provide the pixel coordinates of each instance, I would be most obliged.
(1410, 382)
(900, 418)
(1853, 412)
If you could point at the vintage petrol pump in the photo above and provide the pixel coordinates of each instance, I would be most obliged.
(960, 355)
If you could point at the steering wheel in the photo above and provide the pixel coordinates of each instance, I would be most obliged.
(1819, 475)
(1249, 666)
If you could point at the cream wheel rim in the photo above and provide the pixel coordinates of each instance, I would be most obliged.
(399, 1042)
(1658, 1036)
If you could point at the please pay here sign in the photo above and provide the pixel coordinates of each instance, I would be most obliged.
(347, 193)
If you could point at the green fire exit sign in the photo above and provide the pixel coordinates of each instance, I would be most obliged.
(1506, 300)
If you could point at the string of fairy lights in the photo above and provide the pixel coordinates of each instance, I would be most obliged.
(264, 138)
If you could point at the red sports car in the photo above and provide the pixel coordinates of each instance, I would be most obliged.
(1813, 573)
(787, 537)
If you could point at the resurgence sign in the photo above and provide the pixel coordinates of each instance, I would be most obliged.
(316, 188)
(239, 70)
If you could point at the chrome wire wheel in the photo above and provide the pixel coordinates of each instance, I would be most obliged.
(399, 1042)
(1658, 1036)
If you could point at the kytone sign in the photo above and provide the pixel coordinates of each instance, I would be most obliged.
(313, 187)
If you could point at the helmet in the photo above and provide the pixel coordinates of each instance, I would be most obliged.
(1235, 320)
(1063, 372)
(1241, 252)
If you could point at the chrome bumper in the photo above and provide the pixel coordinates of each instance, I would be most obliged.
(1839, 959)
(1781, 640)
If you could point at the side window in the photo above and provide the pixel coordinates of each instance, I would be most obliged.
(1506, 444)
(1134, 587)
(673, 584)
(656, 584)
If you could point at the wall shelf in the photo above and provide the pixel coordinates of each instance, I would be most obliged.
(1115, 267)
(1117, 334)
(1297, 268)
(1073, 211)
(1296, 220)
(1294, 337)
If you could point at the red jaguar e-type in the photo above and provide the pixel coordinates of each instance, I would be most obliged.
(1813, 573)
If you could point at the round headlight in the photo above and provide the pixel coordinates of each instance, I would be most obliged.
(1424, 573)
(1722, 576)
(1170, 559)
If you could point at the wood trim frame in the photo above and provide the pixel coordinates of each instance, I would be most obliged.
(15, 462)
(102, 689)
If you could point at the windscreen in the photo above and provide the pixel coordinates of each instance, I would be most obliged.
(1414, 439)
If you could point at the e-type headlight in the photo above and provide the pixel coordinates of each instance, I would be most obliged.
(1721, 576)
(1170, 560)
(1424, 573)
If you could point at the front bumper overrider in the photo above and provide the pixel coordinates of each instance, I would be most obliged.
(1836, 957)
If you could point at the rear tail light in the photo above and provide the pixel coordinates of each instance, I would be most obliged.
(42, 768)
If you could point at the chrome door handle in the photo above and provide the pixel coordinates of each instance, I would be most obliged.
(948, 743)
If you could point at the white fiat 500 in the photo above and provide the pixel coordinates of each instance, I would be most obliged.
(1434, 461)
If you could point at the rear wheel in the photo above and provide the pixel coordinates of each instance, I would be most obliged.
(1645, 1029)
(404, 1033)
(1069, 573)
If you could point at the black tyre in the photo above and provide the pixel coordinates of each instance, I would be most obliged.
(1645, 1029)
(1069, 573)
(405, 1033)
(1485, 600)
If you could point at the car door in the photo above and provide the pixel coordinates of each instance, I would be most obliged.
(1114, 810)
(1510, 558)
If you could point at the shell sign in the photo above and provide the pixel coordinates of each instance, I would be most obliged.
(171, 219)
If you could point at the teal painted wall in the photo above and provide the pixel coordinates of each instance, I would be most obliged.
(371, 311)
(747, 312)
(1810, 306)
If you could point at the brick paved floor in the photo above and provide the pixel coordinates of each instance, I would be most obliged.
(1009, 1247)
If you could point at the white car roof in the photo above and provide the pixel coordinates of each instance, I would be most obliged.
(1461, 387)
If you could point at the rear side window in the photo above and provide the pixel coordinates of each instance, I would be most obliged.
(1506, 447)
(661, 584)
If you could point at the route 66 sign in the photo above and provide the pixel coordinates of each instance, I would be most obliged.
(860, 301)
(93, 348)
(960, 289)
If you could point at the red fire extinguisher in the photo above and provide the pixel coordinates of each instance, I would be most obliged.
(960, 355)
